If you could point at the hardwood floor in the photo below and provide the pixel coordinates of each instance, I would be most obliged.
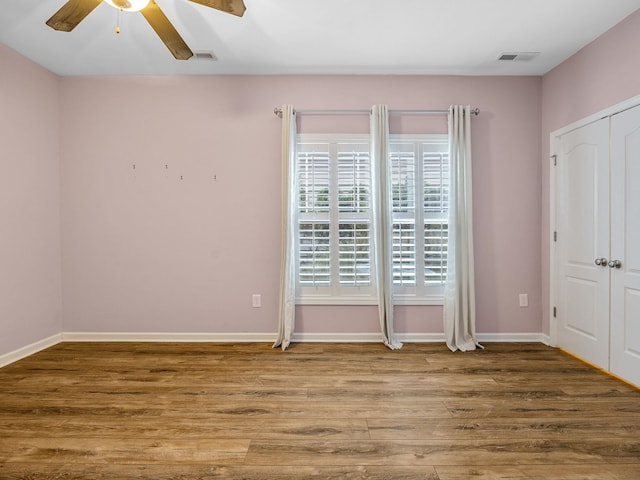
(332, 411)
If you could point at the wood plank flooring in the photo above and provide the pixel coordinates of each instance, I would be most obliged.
(333, 411)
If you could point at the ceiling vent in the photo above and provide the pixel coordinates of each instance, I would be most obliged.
(518, 56)
(204, 55)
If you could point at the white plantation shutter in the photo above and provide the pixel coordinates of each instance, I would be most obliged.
(313, 237)
(354, 213)
(314, 179)
(403, 193)
(404, 253)
(315, 254)
(420, 188)
(354, 254)
(435, 253)
(435, 177)
(334, 238)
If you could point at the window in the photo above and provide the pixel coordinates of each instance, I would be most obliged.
(335, 217)
(335, 257)
(420, 196)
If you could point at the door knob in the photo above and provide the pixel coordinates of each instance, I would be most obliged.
(615, 264)
(601, 262)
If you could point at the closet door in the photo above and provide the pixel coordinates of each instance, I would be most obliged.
(583, 242)
(625, 245)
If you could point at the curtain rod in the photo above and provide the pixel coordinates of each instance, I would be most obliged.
(278, 111)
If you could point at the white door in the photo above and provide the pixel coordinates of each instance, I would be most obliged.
(582, 249)
(625, 245)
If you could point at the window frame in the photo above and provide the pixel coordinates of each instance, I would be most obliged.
(418, 294)
(335, 294)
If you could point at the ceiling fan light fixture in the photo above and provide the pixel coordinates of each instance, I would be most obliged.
(128, 5)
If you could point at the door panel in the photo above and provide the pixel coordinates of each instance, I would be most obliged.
(583, 237)
(582, 296)
(625, 245)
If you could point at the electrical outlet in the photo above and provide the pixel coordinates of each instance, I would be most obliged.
(524, 299)
(256, 300)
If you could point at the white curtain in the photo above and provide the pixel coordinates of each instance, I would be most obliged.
(460, 303)
(382, 223)
(289, 224)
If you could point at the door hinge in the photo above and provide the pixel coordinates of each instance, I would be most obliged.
(555, 235)
(554, 312)
(555, 160)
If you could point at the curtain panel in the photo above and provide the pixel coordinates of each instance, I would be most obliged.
(382, 222)
(459, 302)
(287, 308)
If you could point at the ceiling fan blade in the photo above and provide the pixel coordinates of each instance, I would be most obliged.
(71, 14)
(234, 7)
(166, 31)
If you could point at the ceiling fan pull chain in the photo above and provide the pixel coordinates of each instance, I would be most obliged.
(118, 21)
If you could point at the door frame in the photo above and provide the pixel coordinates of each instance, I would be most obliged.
(554, 150)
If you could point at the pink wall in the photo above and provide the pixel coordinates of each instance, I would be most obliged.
(30, 286)
(602, 74)
(182, 248)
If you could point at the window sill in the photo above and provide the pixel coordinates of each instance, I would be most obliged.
(437, 300)
(327, 300)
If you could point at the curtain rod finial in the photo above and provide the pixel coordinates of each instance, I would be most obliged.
(278, 112)
(475, 111)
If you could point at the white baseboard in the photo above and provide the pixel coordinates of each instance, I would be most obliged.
(23, 352)
(167, 337)
(219, 337)
(510, 337)
(420, 337)
(482, 337)
(336, 337)
(298, 337)
(35, 347)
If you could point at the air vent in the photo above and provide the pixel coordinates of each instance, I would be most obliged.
(518, 56)
(204, 55)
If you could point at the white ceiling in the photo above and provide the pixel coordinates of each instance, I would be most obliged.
(459, 37)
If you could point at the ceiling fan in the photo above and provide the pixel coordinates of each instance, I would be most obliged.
(74, 11)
